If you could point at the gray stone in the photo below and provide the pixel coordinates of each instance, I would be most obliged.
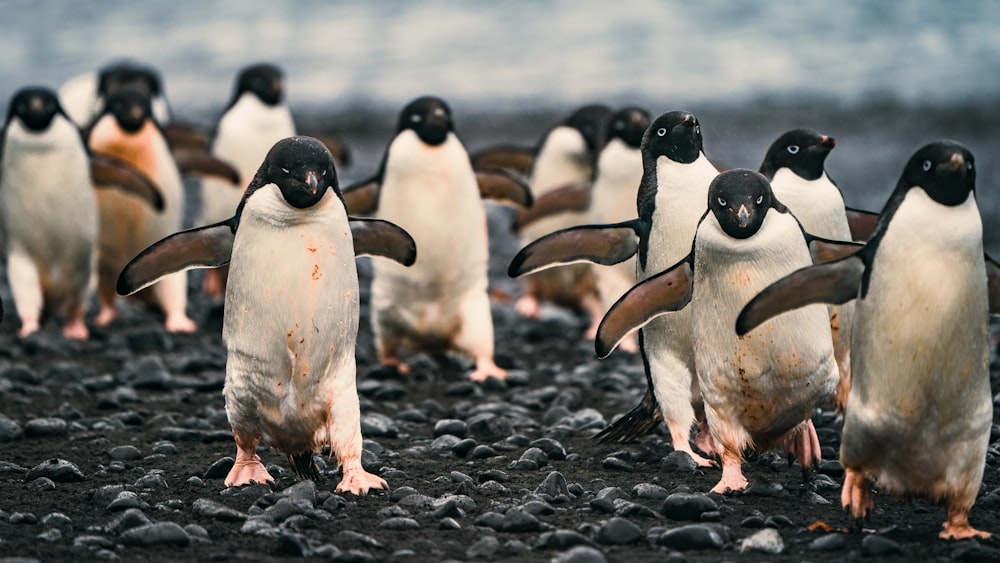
(490, 426)
(259, 526)
(828, 542)
(22, 518)
(131, 518)
(445, 442)
(684, 506)
(649, 491)
(45, 427)
(767, 540)
(401, 493)
(518, 520)
(553, 449)
(449, 524)
(125, 453)
(879, 546)
(293, 545)
(375, 425)
(451, 426)
(218, 511)
(490, 520)
(615, 464)
(692, 536)
(553, 485)
(581, 554)
(485, 548)
(124, 501)
(56, 519)
(563, 539)
(400, 523)
(9, 430)
(160, 533)
(220, 468)
(678, 462)
(148, 372)
(619, 531)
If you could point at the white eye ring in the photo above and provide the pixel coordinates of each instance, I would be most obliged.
(927, 165)
(793, 149)
(697, 129)
(760, 199)
(285, 170)
(324, 172)
(721, 201)
(661, 131)
(968, 165)
(416, 118)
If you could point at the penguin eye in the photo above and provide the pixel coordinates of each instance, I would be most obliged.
(760, 199)
(927, 165)
(697, 129)
(416, 118)
(793, 149)
(661, 131)
(721, 201)
(968, 165)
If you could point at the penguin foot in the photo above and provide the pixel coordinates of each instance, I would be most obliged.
(703, 439)
(105, 316)
(213, 285)
(528, 306)
(357, 481)
(732, 476)
(485, 369)
(802, 443)
(591, 332)
(957, 527)
(401, 368)
(180, 323)
(28, 326)
(76, 330)
(246, 471)
(856, 494)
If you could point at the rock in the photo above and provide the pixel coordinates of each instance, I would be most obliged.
(692, 536)
(879, 546)
(400, 523)
(218, 511)
(490, 520)
(9, 430)
(762, 488)
(220, 468)
(125, 453)
(563, 539)
(124, 501)
(45, 427)
(490, 426)
(463, 447)
(828, 542)
(778, 521)
(449, 524)
(619, 531)
(43, 484)
(482, 451)
(56, 520)
(615, 464)
(684, 506)
(767, 540)
(148, 372)
(581, 554)
(293, 545)
(445, 442)
(485, 548)
(160, 533)
(131, 518)
(553, 485)
(375, 425)
(553, 449)
(22, 518)
(451, 426)
(649, 491)
(678, 462)
(605, 505)
(518, 520)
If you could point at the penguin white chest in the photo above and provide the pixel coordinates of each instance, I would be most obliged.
(681, 200)
(817, 204)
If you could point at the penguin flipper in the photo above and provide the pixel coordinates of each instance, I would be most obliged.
(512, 157)
(375, 237)
(862, 223)
(361, 198)
(834, 283)
(993, 284)
(184, 136)
(109, 172)
(502, 184)
(636, 423)
(205, 247)
(825, 250)
(196, 161)
(571, 197)
(600, 244)
(665, 292)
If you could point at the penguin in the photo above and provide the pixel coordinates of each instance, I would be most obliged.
(670, 202)
(255, 118)
(616, 185)
(795, 166)
(292, 306)
(759, 390)
(47, 175)
(427, 186)
(919, 411)
(126, 130)
(565, 157)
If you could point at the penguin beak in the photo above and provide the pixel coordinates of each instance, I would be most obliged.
(689, 121)
(743, 215)
(956, 162)
(312, 180)
(827, 142)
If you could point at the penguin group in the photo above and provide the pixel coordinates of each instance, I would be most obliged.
(757, 294)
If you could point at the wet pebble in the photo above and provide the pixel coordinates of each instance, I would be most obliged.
(485, 548)
(375, 425)
(490, 426)
(45, 427)
(9, 430)
(778, 521)
(563, 539)
(553, 449)
(463, 447)
(619, 531)
(649, 491)
(490, 519)
(160, 533)
(399, 523)
(518, 520)
(22, 518)
(44, 484)
(124, 501)
(581, 554)
(131, 518)
(482, 451)
(445, 442)
(56, 519)
(216, 510)
(59, 470)
(879, 546)
(684, 506)
(613, 463)
(828, 542)
(692, 536)
(451, 426)
(220, 468)
(449, 524)
(148, 372)
(767, 540)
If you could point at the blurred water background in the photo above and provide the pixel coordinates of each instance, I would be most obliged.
(882, 77)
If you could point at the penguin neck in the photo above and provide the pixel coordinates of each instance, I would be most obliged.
(252, 114)
(140, 149)
(59, 134)
(267, 206)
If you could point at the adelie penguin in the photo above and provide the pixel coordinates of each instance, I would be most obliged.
(48, 209)
(919, 411)
(670, 203)
(291, 316)
(427, 185)
(759, 390)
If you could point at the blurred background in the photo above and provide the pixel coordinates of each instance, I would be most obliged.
(881, 77)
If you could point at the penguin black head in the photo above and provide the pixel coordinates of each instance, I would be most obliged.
(628, 124)
(675, 135)
(803, 151)
(739, 199)
(36, 107)
(266, 81)
(590, 121)
(429, 117)
(129, 74)
(944, 169)
(302, 168)
(130, 108)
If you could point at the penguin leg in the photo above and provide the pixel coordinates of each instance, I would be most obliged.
(74, 328)
(732, 475)
(26, 287)
(840, 327)
(592, 305)
(802, 443)
(857, 494)
(703, 439)
(475, 334)
(731, 439)
(957, 527)
(248, 468)
(345, 436)
(214, 283)
(388, 341)
(672, 387)
(528, 304)
(171, 294)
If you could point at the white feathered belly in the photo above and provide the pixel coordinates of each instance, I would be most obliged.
(290, 329)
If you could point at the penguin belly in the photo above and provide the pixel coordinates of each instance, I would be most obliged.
(760, 386)
(919, 411)
(290, 325)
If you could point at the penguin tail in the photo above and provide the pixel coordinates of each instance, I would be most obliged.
(636, 423)
(303, 465)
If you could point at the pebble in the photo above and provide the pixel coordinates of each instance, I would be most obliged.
(612, 463)
(293, 545)
(553, 485)
(778, 521)
(482, 451)
(690, 507)
(649, 491)
(56, 519)
(22, 518)
(619, 531)
(44, 484)
(538, 508)
(581, 554)
(148, 372)
(463, 447)
(50, 535)
(563, 539)
(490, 426)
(9, 430)
(828, 542)
(445, 442)
(449, 524)
(879, 546)
(553, 449)
(485, 548)
(767, 540)
(518, 520)
(45, 427)
(692, 536)
(131, 518)
(124, 501)
(399, 523)
(59, 470)
(218, 511)
(159, 533)
(375, 425)
(220, 468)
(452, 426)
(490, 519)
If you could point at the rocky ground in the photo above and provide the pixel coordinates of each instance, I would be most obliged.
(116, 448)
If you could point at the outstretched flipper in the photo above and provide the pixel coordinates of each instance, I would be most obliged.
(501, 184)
(361, 198)
(663, 293)
(993, 284)
(861, 223)
(110, 172)
(205, 247)
(824, 250)
(512, 157)
(198, 161)
(572, 197)
(600, 244)
(833, 283)
(185, 136)
(375, 237)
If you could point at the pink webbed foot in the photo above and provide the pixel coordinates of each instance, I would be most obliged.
(856, 494)
(528, 306)
(357, 481)
(247, 469)
(732, 476)
(802, 443)
(28, 326)
(485, 369)
(105, 316)
(75, 329)
(180, 323)
(213, 285)
(957, 527)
